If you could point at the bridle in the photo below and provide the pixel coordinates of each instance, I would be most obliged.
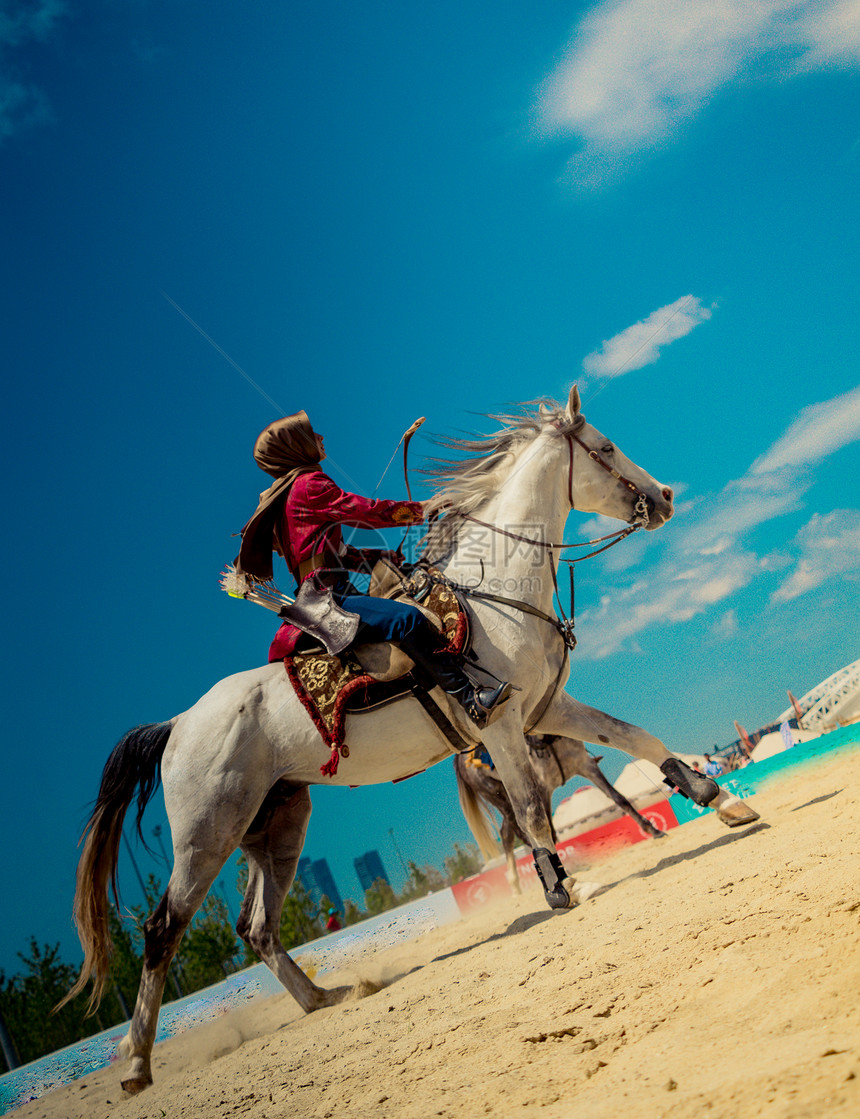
(640, 518)
(640, 509)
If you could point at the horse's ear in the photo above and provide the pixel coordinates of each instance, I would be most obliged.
(574, 404)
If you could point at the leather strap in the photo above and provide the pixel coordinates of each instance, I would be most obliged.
(312, 564)
(458, 744)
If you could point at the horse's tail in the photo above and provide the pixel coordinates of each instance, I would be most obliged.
(477, 813)
(133, 766)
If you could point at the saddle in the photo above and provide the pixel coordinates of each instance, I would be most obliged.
(366, 677)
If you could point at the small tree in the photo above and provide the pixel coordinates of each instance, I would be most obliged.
(299, 922)
(379, 897)
(27, 1001)
(464, 862)
(422, 880)
(351, 913)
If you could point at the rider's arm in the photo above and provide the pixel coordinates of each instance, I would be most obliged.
(323, 497)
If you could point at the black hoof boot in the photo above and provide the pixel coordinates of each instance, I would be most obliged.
(552, 874)
(484, 705)
(696, 786)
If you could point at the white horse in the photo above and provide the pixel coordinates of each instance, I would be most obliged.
(238, 765)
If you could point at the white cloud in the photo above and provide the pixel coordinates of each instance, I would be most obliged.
(23, 104)
(818, 431)
(705, 563)
(741, 505)
(636, 70)
(776, 482)
(829, 546)
(641, 343)
(21, 107)
(598, 526)
(676, 593)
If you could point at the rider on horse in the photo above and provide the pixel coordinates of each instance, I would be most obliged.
(299, 517)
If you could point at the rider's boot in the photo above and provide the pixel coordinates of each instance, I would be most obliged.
(482, 705)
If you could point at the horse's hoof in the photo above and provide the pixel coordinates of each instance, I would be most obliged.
(133, 1086)
(736, 813)
(581, 891)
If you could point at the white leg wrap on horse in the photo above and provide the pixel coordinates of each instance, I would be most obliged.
(581, 891)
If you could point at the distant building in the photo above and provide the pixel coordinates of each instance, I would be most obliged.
(369, 867)
(317, 880)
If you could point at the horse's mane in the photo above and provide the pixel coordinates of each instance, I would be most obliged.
(464, 483)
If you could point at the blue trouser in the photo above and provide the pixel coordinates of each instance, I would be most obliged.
(383, 619)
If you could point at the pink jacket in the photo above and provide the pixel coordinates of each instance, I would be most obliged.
(313, 512)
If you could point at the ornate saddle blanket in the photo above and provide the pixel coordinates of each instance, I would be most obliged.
(330, 687)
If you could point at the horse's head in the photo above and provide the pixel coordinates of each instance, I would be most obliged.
(604, 480)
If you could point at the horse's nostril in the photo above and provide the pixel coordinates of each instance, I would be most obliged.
(667, 493)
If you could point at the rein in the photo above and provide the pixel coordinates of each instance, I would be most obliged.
(615, 537)
(565, 624)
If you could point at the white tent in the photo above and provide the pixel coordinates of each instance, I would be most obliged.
(641, 778)
(582, 805)
(638, 779)
(774, 743)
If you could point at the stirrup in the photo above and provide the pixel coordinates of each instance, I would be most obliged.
(484, 705)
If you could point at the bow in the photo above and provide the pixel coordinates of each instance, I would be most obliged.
(404, 439)
(407, 435)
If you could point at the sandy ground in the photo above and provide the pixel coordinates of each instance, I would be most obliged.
(717, 974)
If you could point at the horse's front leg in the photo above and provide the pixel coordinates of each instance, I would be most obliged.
(507, 746)
(566, 716)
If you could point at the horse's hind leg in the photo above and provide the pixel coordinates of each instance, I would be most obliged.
(194, 872)
(272, 847)
(567, 717)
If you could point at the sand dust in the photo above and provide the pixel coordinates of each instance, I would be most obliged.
(717, 974)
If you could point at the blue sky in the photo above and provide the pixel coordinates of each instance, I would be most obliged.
(383, 211)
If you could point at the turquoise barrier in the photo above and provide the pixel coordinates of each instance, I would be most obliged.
(754, 777)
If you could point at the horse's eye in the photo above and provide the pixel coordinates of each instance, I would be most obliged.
(607, 448)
